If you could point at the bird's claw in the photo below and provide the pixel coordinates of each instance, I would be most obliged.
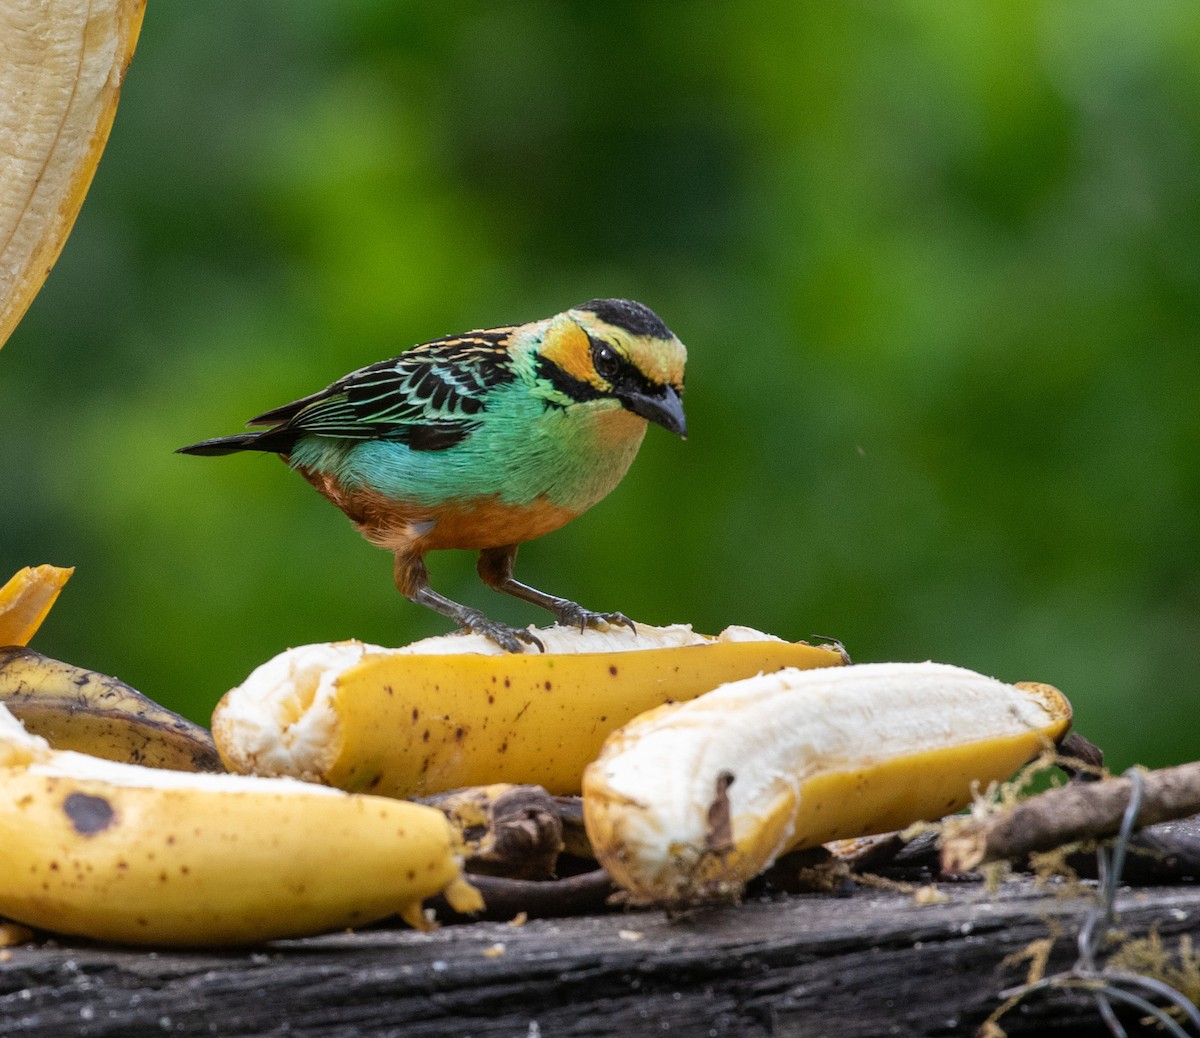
(569, 614)
(528, 637)
(510, 639)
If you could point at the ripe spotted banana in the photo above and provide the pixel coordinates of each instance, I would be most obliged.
(26, 599)
(690, 801)
(61, 67)
(76, 709)
(136, 855)
(457, 711)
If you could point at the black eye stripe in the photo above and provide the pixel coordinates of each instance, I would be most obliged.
(624, 377)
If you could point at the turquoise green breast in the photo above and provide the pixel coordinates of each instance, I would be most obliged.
(573, 456)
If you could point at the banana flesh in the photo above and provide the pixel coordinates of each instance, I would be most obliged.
(26, 599)
(457, 711)
(61, 67)
(135, 855)
(77, 709)
(690, 801)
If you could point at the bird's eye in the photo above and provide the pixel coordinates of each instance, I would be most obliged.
(605, 360)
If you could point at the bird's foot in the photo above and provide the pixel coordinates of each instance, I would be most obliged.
(510, 639)
(570, 614)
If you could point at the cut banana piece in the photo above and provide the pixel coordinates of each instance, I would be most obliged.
(118, 852)
(77, 709)
(690, 801)
(61, 67)
(26, 599)
(459, 711)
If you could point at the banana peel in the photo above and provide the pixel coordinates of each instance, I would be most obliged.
(688, 802)
(458, 711)
(504, 829)
(26, 600)
(77, 709)
(61, 68)
(119, 852)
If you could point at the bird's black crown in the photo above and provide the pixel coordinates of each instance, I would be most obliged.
(628, 314)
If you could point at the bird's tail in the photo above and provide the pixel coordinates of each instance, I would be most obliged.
(273, 441)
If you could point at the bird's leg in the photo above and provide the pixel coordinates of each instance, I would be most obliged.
(496, 568)
(412, 580)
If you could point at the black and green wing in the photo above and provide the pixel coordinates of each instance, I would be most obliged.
(428, 398)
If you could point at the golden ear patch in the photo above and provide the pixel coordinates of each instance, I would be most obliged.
(568, 346)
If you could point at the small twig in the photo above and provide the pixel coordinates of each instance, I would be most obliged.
(1084, 811)
(506, 898)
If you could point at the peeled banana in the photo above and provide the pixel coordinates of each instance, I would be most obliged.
(690, 801)
(77, 709)
(61, 67)
(136, 855)
(26, 599)
(457, 711)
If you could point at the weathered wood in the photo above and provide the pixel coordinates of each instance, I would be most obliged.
(871, 964)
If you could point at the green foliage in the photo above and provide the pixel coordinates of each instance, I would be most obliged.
(937, 264)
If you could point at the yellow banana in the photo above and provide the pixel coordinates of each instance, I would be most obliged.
(61, 67)
(76, 709)
(137, 855)
(690, 801)
(458, 711)
(26, 599)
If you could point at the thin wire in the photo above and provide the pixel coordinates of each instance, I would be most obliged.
(1102, 984)
(1146, 1006)
(1160, 988)
(1109, 1015)
(1097, 986)
(1110, 865)
(1137, 787)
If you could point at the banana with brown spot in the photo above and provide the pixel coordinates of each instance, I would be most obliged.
(457, 711)
(136, 855)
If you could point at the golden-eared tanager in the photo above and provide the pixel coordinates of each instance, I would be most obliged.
(483, 441)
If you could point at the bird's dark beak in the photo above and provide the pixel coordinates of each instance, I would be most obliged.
(663, 406)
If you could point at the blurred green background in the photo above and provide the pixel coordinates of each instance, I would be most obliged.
(937, 265)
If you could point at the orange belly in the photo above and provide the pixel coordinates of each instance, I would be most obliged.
(484, 522)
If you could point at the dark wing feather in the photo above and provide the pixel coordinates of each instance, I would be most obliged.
(425, 398)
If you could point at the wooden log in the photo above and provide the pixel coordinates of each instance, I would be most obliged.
(869, 964)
